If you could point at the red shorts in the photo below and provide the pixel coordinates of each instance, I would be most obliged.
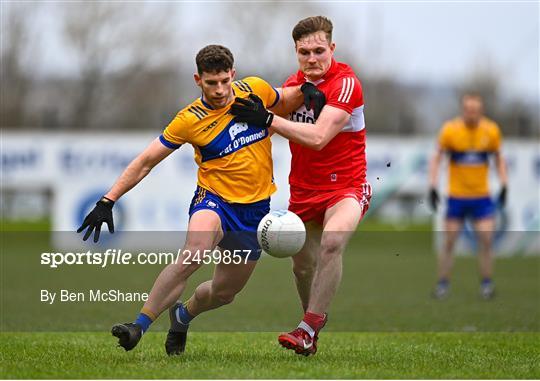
(311, 205)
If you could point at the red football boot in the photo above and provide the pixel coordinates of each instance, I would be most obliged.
(300, 341)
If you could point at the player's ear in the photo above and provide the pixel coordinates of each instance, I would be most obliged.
(197, 79)
(332, 47)
(233, 74)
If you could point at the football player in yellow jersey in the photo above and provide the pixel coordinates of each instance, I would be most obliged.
(234, 185)
(468, 141)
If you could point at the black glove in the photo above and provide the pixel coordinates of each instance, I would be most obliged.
(252, 111)
(101, 213)
(433, 198)
(312, 96)
(502, 196)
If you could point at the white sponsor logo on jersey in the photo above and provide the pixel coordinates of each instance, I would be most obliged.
(236, 128)
(302, 115)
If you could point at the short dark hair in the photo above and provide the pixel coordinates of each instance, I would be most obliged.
(214, 59)
(472, 94)
(312, 25)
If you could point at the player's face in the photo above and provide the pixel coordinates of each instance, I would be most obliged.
(216, 87)
(314, 53)
(472, 110)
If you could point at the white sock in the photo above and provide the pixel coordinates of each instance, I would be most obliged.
(306, 327)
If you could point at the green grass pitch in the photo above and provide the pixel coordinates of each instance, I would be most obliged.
(257, 355)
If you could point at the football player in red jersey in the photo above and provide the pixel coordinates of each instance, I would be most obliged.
(328, 183)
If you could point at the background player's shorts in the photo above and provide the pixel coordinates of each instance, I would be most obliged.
(476, 208)
(311, 205)
(239, 222)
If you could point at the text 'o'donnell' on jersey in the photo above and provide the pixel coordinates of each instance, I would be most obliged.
(469, 149)
(234, 159)
(342, 162)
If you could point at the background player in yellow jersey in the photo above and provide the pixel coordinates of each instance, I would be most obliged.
(468, 141)
(234, 184)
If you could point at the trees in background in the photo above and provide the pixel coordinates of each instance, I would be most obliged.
(125, 66)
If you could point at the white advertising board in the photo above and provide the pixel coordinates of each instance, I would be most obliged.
(79, 168)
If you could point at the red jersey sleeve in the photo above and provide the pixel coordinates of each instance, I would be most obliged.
(346, 94)
(292, 81)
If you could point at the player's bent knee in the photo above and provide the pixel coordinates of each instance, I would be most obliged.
(198, 243)
(332, 246)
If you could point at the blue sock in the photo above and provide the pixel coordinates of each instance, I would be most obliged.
(486, 281)
(443, 282)
(144, 321)
(185, 316)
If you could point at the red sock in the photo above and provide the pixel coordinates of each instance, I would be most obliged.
(315, 321)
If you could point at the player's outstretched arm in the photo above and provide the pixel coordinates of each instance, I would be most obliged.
(434, 178)
(139, 168)
(500, 164)
(315, 136)
(132, 175)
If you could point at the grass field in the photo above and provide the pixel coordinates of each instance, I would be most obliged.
(257, 355)
(383, 324)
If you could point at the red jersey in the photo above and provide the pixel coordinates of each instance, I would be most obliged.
(342, 162)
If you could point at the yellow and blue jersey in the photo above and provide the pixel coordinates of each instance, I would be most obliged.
(234, 159)
(469, 149)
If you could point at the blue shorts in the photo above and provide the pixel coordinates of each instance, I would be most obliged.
(476, 208)
(239, 222)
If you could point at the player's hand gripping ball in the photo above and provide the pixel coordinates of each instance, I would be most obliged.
(281, 233)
